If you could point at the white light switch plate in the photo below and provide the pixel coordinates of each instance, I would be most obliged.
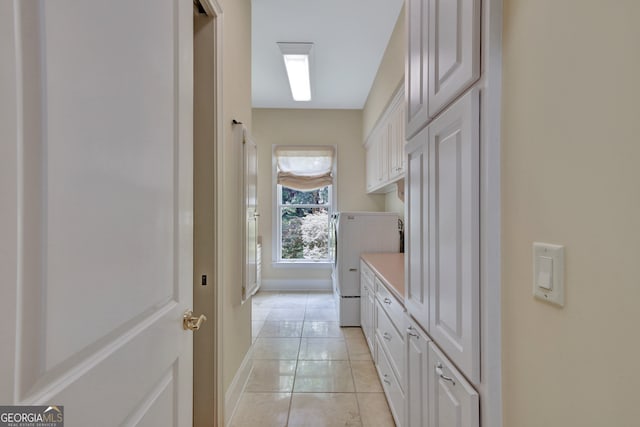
(548, 272)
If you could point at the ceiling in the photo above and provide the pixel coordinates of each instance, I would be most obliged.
(349, 38)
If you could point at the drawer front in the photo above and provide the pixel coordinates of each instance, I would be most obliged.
(392, 341)
(390, 304)
(391, 387)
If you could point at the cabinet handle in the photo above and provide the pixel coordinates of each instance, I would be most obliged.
(353, 269)
(386, 336)
(411, 333)
(386, 381)
(387, 301)
(442, 375)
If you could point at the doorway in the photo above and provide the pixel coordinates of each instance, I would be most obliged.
(207, 110)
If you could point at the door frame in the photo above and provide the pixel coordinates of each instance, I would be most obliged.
(214, 11)
(490, 215)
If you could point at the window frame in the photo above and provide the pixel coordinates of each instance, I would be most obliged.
(276, 237)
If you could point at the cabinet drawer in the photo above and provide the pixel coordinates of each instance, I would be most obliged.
(391, 387)
(452, 400)
(392, 341)
(390, 304)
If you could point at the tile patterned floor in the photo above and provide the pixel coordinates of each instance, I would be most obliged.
(307, 371)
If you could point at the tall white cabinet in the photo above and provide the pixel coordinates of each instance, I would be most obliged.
(442, 195)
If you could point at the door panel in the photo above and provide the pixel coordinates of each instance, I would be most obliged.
(452, 401)
(106, 200)
(416, 68)
(454, 50)
(417, 230)
(454, 259)
(417, 376)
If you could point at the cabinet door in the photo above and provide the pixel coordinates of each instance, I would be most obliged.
(371, 322)
(417, 414)
(416, 70)
(371, 164)
(452, 401)
(454, 241)
(454, 50)
(417, 228)
(383, 154)
(396, 143)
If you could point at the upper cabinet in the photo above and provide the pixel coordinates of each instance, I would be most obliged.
(385, 148)
(443, 58)
(416, 70)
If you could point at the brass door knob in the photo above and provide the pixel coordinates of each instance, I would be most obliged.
(191, 322)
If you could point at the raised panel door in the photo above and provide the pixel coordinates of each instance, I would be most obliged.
(452, 400)
(454, 312)
(104, 197)
(416, 66)
(383, 154)
(417, 413)
(371, 157)
(454, 50)
(417, 228)
(396, 145)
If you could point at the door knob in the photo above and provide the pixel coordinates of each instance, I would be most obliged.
(191, 322)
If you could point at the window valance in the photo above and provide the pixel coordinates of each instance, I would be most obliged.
(305, 168)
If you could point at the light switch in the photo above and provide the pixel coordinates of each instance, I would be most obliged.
(545, 272)
(548, 272)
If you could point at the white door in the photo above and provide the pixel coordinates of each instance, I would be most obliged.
(416, 292)
(98, 178)
(417, 376)
(452, 400)
(454, 293)
(416, 67)
(454, 50)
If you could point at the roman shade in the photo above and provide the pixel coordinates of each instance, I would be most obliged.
(304, 168)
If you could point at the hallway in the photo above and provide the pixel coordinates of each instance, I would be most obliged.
(307, 371)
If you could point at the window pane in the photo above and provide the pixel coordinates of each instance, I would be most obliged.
(305, 233)
(295, 197)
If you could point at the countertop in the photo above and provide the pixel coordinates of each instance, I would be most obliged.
(389, 267)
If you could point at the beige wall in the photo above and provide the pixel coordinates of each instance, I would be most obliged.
(389, 76)
(392, 203)
(571, 176)
(236, 93)
(310, 127)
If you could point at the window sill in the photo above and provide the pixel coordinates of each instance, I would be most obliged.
(324, 265)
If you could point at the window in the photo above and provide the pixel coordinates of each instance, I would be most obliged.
(304, 194)
(304, 224)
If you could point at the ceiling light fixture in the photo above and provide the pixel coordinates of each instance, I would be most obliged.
(297, 60)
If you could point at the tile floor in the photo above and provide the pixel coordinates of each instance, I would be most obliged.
(307, 371)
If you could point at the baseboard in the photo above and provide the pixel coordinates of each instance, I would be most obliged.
(296, 285)
(234, 392)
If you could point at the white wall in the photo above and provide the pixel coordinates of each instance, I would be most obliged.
(310, 127)
(571, 176)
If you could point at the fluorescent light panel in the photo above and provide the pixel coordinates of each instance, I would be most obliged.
(297, 62)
